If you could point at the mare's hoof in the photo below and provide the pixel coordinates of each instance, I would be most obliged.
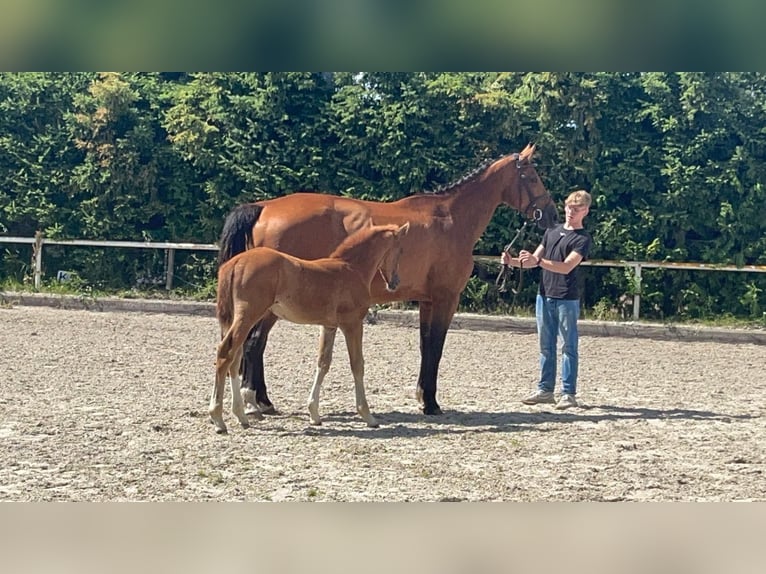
(267, 409)
(432, 410)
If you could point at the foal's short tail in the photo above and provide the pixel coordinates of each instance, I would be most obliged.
(238, 231)
(224, 307)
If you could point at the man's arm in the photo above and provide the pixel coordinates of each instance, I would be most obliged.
(563, 267)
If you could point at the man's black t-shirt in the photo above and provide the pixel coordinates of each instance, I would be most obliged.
(558, 243)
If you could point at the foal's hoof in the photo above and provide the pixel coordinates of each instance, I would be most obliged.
(219, 428)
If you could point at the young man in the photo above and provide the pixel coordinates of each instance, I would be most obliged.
(558, 301)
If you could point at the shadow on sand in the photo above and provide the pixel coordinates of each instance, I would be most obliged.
(414, 424)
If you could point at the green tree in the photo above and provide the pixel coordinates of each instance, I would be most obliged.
(36, 155)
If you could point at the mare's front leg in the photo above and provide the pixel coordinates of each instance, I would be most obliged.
(353, 335)
(253, 378)
(435, 319)
(326, 344)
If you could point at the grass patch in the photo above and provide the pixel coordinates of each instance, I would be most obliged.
(602, 311)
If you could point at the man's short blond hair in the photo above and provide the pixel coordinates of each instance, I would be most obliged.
(579, 197)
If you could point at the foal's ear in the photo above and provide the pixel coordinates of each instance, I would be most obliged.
(402, 231)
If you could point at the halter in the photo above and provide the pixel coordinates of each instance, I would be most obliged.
(537, 215)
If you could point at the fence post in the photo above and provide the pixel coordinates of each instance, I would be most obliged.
(171, 258)
(637, 293)
(37, 254)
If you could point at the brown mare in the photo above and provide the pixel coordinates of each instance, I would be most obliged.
(437, 260)
(333, 292)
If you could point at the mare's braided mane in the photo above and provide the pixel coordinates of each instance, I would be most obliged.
(450, 187)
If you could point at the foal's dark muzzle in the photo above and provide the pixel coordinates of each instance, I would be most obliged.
(393, 283)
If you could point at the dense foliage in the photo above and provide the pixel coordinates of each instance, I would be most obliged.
(675, 163)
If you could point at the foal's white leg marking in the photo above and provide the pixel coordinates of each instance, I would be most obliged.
(326, 344)
(419, 393)
(237, 401)
(237, 404)
(216, 401)
(313, 402)
(354, 346)
(241, 396)
(251, 405)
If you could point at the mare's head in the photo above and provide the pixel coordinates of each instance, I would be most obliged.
(389, 265)
(524, 190)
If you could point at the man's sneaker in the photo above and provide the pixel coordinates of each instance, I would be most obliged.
(539, 397)
(566, 401)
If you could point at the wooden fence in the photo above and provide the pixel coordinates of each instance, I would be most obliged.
(38, 242)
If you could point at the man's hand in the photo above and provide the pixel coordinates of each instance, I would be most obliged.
(527, 259)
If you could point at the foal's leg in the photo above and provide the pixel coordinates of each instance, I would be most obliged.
(353, 335)
(253, 378)
(326, 343)
(237, 404)
(229, 349)
(222, 365)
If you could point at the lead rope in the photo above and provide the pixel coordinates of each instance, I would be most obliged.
(505, 270)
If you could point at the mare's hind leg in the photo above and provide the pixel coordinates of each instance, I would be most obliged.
(326, 343)
(253, 378)
(353, 335)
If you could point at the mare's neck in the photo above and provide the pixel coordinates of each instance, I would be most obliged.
(474, 204)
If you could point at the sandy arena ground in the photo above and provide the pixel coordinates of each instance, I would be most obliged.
(98, 406)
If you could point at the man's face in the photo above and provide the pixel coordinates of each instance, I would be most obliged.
(575, 214)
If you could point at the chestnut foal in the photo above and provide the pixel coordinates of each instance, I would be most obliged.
(333, 292)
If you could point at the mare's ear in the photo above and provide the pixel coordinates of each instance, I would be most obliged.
(527, 152)
(402, 231)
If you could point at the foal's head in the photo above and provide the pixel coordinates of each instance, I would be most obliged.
(389, 265)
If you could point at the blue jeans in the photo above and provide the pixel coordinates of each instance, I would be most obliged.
(557, 317)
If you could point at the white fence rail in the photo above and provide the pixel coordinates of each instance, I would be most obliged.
(38, 242)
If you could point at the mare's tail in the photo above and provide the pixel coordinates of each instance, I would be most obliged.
(238, 231)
